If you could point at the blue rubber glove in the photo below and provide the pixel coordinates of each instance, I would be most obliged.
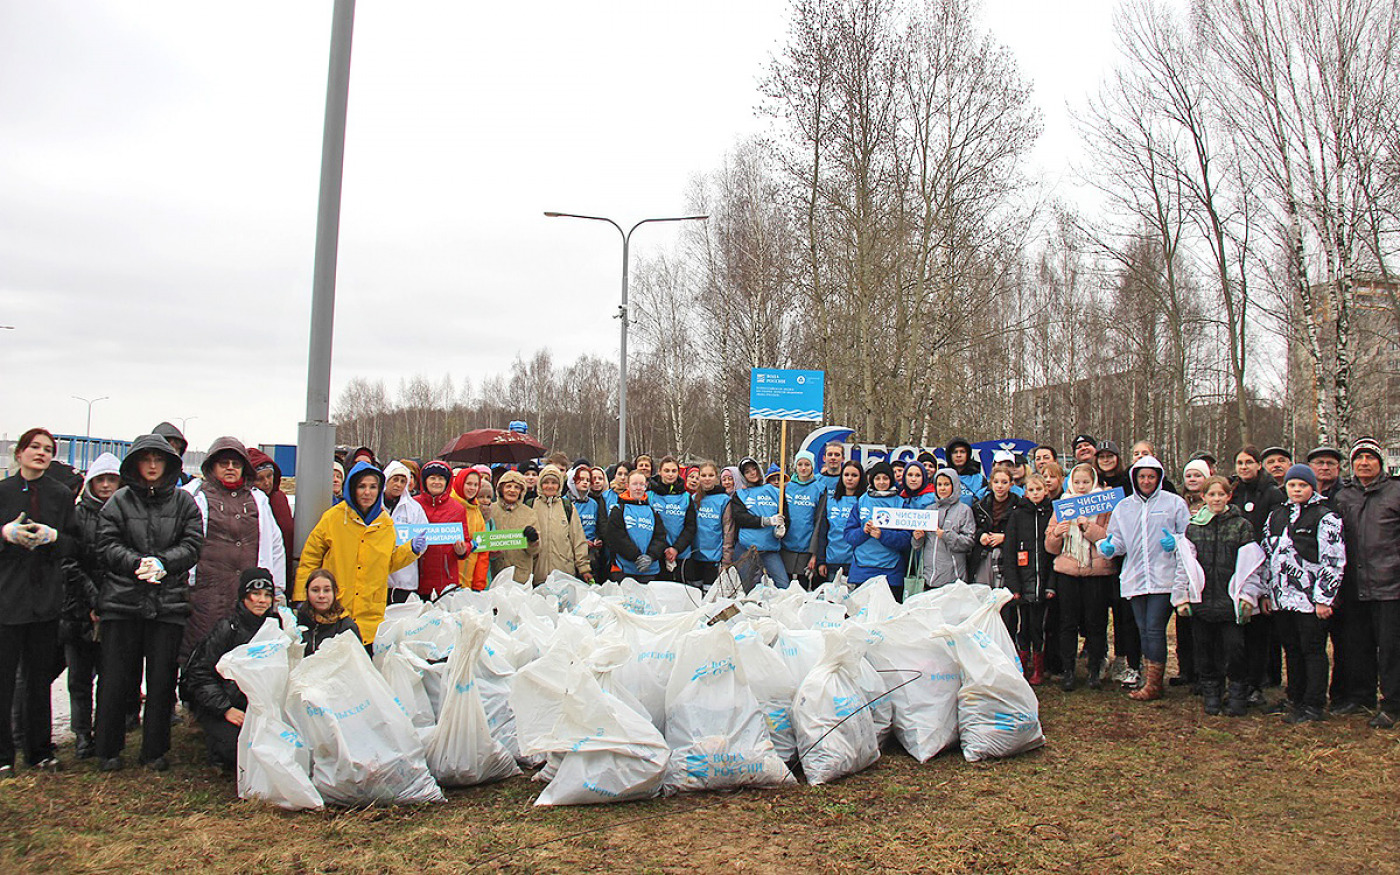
(1107, 548)
(1168, 541)
(419, 543)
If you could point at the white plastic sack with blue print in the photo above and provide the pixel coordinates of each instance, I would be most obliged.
(998, 713)
(771, 682)
(364, 748)
(835, 729)
(461, 750)
(923, 676)
(714, 725)
(273, 764)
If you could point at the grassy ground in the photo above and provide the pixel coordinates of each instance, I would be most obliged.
(1120, 786)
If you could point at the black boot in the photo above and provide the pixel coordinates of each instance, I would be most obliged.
(1067, 682)
(1210, 697)
(1095, 674)
(1236, 705)
(81, 723)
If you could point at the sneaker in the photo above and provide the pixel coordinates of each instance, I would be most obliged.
(1130, 677)
(1382, 720)
(48, 764)
(1305, 714)
(1346, 709)
(111, 764)
(1117, 668)
(7, 772)
(1256, 699)
(1280, 707)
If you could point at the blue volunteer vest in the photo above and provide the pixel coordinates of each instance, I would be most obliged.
(641, 523)
(609, 500)
(802, 515)
(761, 501)
(709, 526)
(873, 554)
(672, 509)
(838, 512)
(588, 517)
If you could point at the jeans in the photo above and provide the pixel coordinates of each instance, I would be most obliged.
(1083, 609)
(1151, 612)
(83, 659)
(1304, 638)
(128, 645)
(773, 564)
(36, 646)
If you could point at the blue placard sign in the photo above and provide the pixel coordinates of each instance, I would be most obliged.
(786, 394)
(1092, 504)
(438, 533)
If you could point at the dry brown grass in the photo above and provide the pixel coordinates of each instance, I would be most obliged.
(1119, 787)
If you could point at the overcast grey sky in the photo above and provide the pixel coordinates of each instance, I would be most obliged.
(159, 166)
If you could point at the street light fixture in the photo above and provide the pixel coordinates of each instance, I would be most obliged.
(87, 432)
(622, 310)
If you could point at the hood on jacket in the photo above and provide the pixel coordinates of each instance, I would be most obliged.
(1144, 463)
(734, 474)
(572, 484)
(350, 457)
(881, 467)
(357, 473)
(103, 464)
(972, 466)
(557, 473)
(396, 468)
(227, 444)
(742, 482)
(130, 476)
(259, 459)
(926, 488)
(956, 480)
(512, 477)
(170, 432)
(459, 479)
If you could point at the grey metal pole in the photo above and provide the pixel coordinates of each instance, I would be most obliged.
(622, 314)
(87, 431)
(316, 435)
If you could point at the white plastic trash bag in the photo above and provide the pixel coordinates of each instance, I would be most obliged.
(923, 676)
(461, 750)
(273, 763)
(714, 725)
(772, 685)
(998, 714)
(606, 751)
(404, 669)
(364, 748)
(835, 730)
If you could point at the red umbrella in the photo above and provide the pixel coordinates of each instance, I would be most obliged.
(492, 446)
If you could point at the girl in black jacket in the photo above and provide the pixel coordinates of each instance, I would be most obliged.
(37, 516)
(216, 701)
(1027, 568)
(148, 537)
(322, 615)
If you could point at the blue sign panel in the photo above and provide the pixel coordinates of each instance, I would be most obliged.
(786, 394)
(1092, 504)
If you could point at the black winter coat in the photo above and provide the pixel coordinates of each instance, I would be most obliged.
(1218, 543)
(315, 634)
(33, 582)
(1256, 499)
(1371, 526)
(201, 685)
(982, 510)
(84, 571)
(1025, 563)
(139, 521)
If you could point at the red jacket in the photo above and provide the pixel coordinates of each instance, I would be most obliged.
(281, 509)
(438, 566)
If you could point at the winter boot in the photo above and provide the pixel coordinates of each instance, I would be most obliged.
(1305, 714)
(82, 728)
(1210, 697)
(1025, 656)
(1067, 682)
(1152, 682)
(1237, 703)
(1095, 673)
(1037, 669)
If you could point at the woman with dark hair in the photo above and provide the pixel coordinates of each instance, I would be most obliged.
(322, 617)
(710, 503)
(38, 536)
(149, 537)
(829, 545)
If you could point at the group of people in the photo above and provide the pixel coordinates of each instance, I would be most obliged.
(138, 570)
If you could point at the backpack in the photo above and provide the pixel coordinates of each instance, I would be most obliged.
(568, 506)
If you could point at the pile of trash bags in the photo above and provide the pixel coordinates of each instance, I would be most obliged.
(628, 690)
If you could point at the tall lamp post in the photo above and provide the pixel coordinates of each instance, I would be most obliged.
(622, 312)
(87, 432)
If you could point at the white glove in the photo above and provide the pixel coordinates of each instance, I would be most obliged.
(45, 534)
(775, 520)
(150, 570)
(780, 529)
(643, 564)
(12, 531)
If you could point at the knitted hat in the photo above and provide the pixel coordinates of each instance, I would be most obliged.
(1301, 472)
(1198, 465)
(254, 579)
(1367, 445)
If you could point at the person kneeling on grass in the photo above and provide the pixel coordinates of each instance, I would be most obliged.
(321, 616)
(216, 701)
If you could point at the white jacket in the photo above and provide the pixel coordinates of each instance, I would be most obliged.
(272, 553)
(1136, 529)
(406, 511)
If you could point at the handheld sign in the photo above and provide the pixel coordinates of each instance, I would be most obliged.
(438, 533)
(1092, 504)
(786, 394)
(508, 539)
(906, 518)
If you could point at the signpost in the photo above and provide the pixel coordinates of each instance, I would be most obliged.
(1092, 504)
(786, 395)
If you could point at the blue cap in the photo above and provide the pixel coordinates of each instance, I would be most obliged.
(1301, 472)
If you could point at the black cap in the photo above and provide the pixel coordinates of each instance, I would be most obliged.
(1084, 439)
(253, 579)
(926, 456)
(1325, 451)
(528, 467)
(1204, 456)
(1275, 451)
(1109, 447)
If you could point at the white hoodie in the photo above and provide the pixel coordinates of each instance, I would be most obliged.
(1136, 529)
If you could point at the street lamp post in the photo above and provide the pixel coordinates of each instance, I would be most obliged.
(184, 424)
(87, 431)
(622, 312)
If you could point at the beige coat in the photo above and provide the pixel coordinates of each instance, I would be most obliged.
(509, 519)
(562, 545)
